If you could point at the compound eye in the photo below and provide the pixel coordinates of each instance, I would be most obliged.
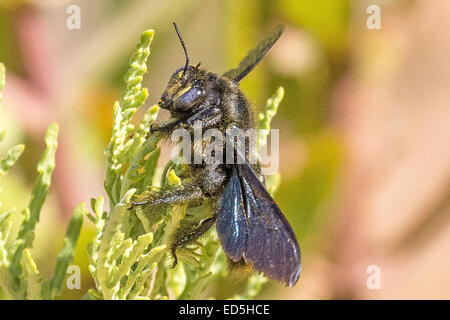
(188, 99)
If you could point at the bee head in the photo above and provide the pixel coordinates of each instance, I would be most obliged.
(185, 91)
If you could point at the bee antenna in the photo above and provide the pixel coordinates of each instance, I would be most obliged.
(184, 47)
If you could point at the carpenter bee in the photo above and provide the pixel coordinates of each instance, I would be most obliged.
(251, 227)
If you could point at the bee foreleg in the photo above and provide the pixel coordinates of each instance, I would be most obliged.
(208, 120)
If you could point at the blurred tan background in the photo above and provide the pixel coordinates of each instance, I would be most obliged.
(364, 126)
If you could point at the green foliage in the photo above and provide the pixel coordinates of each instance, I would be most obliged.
(19, 275)
(122, 257)
(120, 149)
(129, 253)
(266, 117)
(52, 287)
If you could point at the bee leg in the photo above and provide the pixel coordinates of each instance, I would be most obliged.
(189, 234)
(164, 127)
(208, 120)
(209, 117)
(135, 204)
(188, 193)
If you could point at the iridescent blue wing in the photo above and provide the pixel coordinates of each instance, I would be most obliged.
(254, 56)
(251, 226)
(231, 224)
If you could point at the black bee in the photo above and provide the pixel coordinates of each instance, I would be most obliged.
(251, 227)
